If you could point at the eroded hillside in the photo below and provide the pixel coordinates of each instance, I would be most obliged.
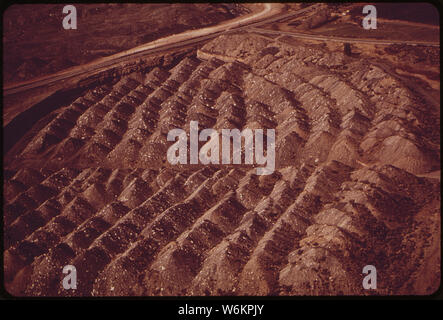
(356, 148)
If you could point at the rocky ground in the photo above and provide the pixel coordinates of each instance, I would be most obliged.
(356, 182)
(36, 44)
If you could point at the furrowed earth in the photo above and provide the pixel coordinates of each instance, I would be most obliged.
(357, 181)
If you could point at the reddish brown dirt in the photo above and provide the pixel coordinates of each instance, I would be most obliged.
(102, 29)
(90, 185)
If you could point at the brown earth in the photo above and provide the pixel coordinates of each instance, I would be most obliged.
(356, 151)
(102, 30)
(345, 20)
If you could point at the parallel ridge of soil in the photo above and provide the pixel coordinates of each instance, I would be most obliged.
(93, 188)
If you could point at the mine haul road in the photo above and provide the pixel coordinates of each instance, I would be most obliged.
(319, 37)
(271, 12)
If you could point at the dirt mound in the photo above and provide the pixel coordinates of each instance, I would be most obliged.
(93, 187)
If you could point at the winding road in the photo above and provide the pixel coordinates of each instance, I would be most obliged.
(271, 12)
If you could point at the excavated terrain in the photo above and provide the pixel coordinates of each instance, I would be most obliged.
(36, 44)
(89, 185)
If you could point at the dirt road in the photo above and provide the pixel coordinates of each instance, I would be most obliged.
(270, 10)
(343, 39)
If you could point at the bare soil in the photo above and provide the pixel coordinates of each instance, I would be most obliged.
(356, 183)
(102, 30)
